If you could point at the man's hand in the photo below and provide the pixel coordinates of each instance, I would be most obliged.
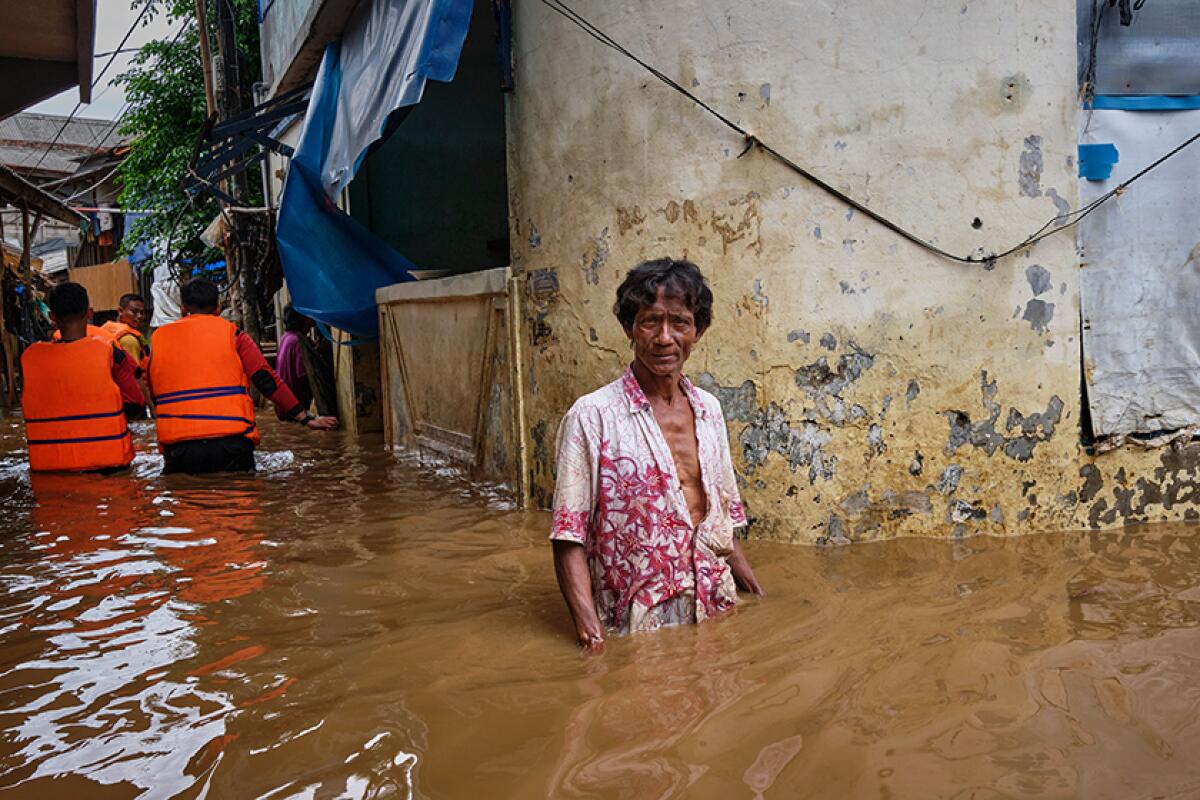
(323, 423)
(743, 576)
(590, 637)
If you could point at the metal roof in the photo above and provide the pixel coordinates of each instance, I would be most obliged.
(25, 137)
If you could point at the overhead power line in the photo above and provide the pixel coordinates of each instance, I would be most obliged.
(1055, 225)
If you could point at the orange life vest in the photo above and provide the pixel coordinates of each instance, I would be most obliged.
(93, 331)
(74, 419)
(120, 330)
(102, 334)
(200, 389)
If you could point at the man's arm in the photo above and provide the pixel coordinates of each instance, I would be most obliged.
(575, 464)
(255, 365)
(124, 375)
(570, 565)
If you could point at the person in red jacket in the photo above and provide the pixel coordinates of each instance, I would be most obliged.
(201, 371)
(73, 388)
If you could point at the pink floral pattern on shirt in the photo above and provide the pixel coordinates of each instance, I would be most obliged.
(618, 495)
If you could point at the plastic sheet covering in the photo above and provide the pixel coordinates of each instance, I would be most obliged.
(332, 263)
(1141, 278)
(1156, 54)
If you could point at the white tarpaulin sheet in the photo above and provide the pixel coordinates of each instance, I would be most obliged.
(384, 63)
(1141, 277)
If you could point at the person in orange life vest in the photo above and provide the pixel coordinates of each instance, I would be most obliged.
(129, 325)
(72, 399)
(126, 329)
(201, 369)
(133, 397)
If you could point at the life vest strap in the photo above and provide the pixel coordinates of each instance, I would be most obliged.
(79, 440)
(75, 417)
(206, 416)
(214, 418)
(199, 394)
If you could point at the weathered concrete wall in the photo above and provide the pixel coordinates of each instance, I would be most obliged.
(871, 388)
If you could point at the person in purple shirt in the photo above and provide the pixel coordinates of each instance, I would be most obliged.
(289, 362)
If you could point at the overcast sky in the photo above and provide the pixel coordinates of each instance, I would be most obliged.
(113, 19)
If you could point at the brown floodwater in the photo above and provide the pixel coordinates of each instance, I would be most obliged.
(344, 624)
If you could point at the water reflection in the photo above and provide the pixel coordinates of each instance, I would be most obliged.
(343, 624)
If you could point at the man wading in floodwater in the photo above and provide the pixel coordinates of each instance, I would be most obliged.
(646, 500)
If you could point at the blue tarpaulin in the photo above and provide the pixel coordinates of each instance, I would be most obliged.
(332, 263)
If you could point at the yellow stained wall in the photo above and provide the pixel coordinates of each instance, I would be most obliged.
(871, 388)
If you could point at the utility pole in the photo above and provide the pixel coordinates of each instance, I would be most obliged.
(210, 99)
(240, 263)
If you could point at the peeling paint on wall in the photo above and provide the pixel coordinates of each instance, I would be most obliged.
(1039, 279)
(596, 257)
(739, 403)
(1038, 314)
(1030, 172)
(982, 434)
(802, 445)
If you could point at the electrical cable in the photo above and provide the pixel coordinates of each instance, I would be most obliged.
(1055, 225)
(95, 83)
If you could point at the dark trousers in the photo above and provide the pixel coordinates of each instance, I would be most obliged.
(203, 456)
(135, 411)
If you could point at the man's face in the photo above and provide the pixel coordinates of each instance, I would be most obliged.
(134, 314)
(663, 335)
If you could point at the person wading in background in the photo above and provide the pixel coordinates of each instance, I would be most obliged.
(72, 400)
(289, 361)
(201, 369)
(646, 500)
(128, 331)
(129, 327)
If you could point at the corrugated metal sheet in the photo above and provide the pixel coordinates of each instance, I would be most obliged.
(1154, 55)
(25, 137)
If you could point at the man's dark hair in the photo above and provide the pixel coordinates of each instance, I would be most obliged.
(678, 278)
(200, 295)
(68, 301)
(126, 299)
(293, 320)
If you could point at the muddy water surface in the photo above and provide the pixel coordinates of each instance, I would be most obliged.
(343, 625)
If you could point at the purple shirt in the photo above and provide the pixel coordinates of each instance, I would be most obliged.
(289, 363)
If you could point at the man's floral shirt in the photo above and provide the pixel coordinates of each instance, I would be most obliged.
(617, 494)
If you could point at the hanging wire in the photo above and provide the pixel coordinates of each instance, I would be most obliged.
(1055, 225)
